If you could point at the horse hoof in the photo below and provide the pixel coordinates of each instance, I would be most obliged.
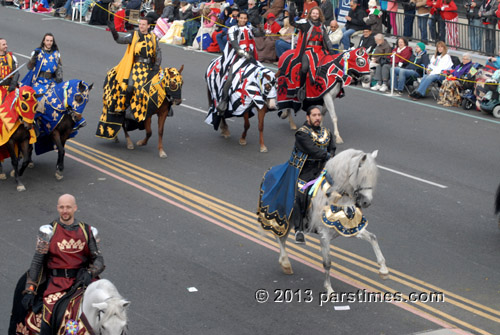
(243, 141)
(116, 140)
(287, 269)
(293, 127)
(31, 165)
(339, 140)
(163, 154)
(12, 174)
(21, 188)
(130, 146)
(140, 143)
(284, 114)
(59, 175)
(384, 276)
(225, 133)
(263, 149)
(3, 176)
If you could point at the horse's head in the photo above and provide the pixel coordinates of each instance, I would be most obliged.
(357, 61)
(173, 85)
(111, 317)
(24, 101)
(267, 86)
(74, 95)
(354, 175)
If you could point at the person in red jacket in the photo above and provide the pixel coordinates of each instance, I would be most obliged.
(448, 28)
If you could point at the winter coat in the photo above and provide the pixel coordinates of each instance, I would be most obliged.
(356, 22)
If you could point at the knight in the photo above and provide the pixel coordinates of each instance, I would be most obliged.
(8, 64)
(313, 45)
(284, 191)
(139, 64)
(67, 256)
(241, 48)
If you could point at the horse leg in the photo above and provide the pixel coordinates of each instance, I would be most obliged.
(286, 266)
(130, 144)
(246, 126)
(327, 262)
(293, 126)
(370, 237)
(328, 104)
(26, 156)
(162, 116)
(31, 164)
(56, 138)
(261, 115)
(224, 129)
(149, 132)
(15, 160)
(2, 174)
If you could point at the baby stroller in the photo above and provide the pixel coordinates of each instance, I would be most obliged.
(468, 86)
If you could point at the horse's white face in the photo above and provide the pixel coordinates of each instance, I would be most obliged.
(364, 179)
(270, 92)
(111, 320)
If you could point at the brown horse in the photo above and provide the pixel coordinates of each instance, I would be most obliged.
(171, 83)
(61, 117)
(17, 114)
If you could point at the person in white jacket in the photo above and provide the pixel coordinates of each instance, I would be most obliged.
(440, 62)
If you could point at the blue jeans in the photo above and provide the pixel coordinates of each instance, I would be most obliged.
(408, 23)
(282, 46)
(432, 27)
(476, 34)
(346, 38)
(441, 30)
(426, 81)
(422, 26)
(402, 75)
(489, 39)
(222, 40)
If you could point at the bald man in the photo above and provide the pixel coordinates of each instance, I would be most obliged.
(68, 254)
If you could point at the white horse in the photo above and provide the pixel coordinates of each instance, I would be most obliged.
(105, 308)
(335, 208)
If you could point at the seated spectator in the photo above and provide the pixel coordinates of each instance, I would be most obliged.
(382, 48)
(191, 27)
(354, 23)
(134, 4)
(231, 21)
(334, 34)
(99, 15)
(374, 18)
(284, 43)
(276, 7)
(494, 61)
(308, 5)
(283, 15)
(253, 14)
(367, 41)
(205, 32)
(327, 8)
(168, 11)
(418, 63)
(266, 45)
(451, 86)
(402, 54)
(440, 62)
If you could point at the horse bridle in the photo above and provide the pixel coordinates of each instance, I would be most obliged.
(124, 331)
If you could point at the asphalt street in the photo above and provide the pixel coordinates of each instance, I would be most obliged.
(187, 221)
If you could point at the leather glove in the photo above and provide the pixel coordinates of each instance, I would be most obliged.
(28, 300)
(12, 87)
(247, 55)
(241, 52)
(84, 276)
(112, 28)
(156, 68)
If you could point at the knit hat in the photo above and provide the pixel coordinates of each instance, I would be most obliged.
(372, 3)
(421, 46)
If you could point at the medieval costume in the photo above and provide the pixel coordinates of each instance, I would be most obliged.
(125, 83)
(240, 51)
(65, 255)
(283, 192)
(45, 68)
(300, 68)
(8, 64)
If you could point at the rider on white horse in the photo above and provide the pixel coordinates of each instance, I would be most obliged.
(66, 253)
(240, 49)
(284, 189)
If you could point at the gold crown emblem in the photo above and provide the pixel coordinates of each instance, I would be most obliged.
(71, 246)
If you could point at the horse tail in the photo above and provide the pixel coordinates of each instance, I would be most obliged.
(497, 201)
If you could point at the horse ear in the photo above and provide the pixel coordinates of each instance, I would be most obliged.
(91, 85)
(81, 87)
(182, 68)
(267, 76)
(101, 306)
(374, 154)
(125, 303)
